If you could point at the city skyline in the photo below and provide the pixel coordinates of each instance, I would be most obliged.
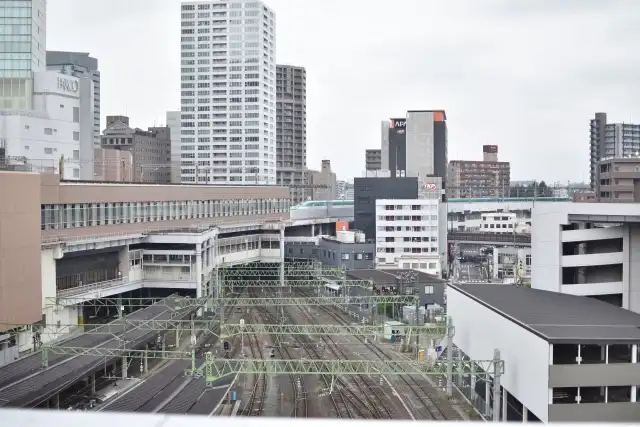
(494, 91)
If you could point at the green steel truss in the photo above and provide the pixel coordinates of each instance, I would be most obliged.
(216, 368)
(366, 284)
(233, 329)
(182, 303)
(275, 272)
(228, 330)
(271, 301)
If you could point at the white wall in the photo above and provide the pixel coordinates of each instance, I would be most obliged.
(430, 213)
(479, 330)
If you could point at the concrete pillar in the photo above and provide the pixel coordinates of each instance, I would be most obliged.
(125, 363)
(504, 406)
(123, 261)
(199, 293)
(525, 414)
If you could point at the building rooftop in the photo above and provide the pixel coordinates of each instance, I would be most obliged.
(391, 277)
(558, 318)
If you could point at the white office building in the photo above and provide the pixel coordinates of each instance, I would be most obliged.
(407, 234)
(173, 122)
(228, 93)
(59, 125)
(44, 115)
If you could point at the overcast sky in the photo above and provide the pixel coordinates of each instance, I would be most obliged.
(524, 74)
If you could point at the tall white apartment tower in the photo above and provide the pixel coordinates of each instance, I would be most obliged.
(228, 93)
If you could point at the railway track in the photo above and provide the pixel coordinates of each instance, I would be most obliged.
(369, 395)
(300, 409)
(255, 405)
(425, 394)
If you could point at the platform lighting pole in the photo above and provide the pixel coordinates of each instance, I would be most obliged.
(497, 398)
(282, 278)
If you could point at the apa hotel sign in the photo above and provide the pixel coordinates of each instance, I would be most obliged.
(67, 85)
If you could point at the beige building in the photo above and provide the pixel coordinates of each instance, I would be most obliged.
(150, 149)
(618, 180)
(473, 178)
(113, 165)
(40, 213)
(321, 185)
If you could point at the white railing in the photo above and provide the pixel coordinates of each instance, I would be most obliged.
(94, 287)
(170, 277)
(63, 238)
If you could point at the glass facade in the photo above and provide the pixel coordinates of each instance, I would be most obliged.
(76, 215)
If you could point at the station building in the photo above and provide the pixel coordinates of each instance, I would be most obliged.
(80, 241)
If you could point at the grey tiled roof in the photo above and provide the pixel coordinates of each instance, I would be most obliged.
(558, 318)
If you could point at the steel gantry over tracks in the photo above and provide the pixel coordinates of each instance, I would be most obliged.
(298, 283)
(232, 329)
(214, 369)
(182, 303)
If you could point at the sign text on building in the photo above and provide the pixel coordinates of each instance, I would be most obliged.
(397, 124)
(67, 85)
(430, 186)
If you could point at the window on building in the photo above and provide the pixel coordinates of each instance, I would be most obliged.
(48, 150)
(76, 136)
(48, 131)
(76, 154)
(428, 289)
(76, 114)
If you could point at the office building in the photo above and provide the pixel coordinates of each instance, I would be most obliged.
(609, 140)
(59, 125)
(477, 179)
(151, 149)
(24, 42)
(416, 145)
(618, 180)
(228, 98)
(291, 135)
(373, 159)
(173, 122)
(407, 232)
(322, 184)
(368, 190)
(81, 65)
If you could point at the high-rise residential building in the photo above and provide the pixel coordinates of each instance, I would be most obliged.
(416, 145)
(173, 122)
(228, 93)
(609, 140)
(291, 135)
(81, 65)
(151, 149)
(473, 178)
(23, 37)
(47, 116)
(322, 184)
(373, 159)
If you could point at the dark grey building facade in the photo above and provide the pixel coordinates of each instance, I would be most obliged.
(80, 64)
(367, 190)
(151, 149)
(417, 145)
(291, 129)
(331, 252)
